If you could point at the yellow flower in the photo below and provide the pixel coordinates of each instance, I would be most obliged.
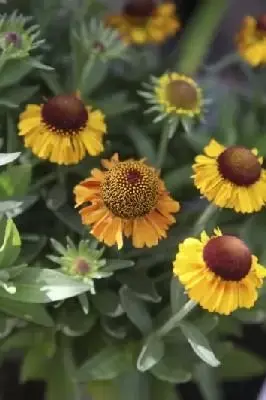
(219, 273)
(251, 40)
(128, 198)
(63, 129)
(142, 21)
(231, 177)
(179, 95)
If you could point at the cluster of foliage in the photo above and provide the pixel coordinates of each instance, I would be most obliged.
(88, 317)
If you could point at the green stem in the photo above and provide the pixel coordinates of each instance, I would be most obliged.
(176, 318)
(43, 181)
(167, 134)
(209, 212)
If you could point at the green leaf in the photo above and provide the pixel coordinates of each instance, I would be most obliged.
(14, 207)
(241, 364)
(108, 303)
(142, 286)
(143, 144)
(135, 310)
(115, 265)
(10, 242)
(199, 343)
(36, 285)
(73, 322)
(31, 248)
(14, 71)
(69, 217)
(151, 353)
(178, 297)
(116, 104)
(178, 178)
(15, 181)
(101, 390)
(92, 75)
(36, 361)
(60, 375)
(6, 158)
(18, 96)
(170, 373)
(34, 313)
(134, 385)
(107, 364)
(200, 30)
(163, 390)
(206, 378)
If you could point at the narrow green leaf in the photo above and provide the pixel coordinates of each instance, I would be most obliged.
(178, 178)
(6, 158)
(134, 385)
(143, 144)
(135, 310)
(168, 373)
(163, 390)
(107, 302)
(200, 30)
(14, 71)
(36, 285)
(178, 297)
(10, 247)
(241, 364)
(107, 364)
(115, 265)
(199, 343)
(60, 376)
(34, 313)
(103, 390)
(142, 286)
(15, 181)
(151, 353)
(206, 378)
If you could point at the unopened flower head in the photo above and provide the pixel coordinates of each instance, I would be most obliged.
(16, 39)
(83, 262)
(174, 96)
(101, 40)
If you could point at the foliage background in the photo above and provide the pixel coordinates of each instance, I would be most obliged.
(43, 212)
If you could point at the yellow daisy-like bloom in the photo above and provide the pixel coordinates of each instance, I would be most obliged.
(63, 129)
(219, 273)
(231, 177)
(178, 94)
(251, 40)
(128, 198)
(143, 21)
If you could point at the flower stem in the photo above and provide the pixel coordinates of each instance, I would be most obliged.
(207, 214)
(176, 318)
(167, 134)
(43, 181)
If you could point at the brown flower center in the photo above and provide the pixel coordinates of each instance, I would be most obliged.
(261, 24)
(182, 94)
(82, 267)
(228, 257)
(239, 165)
(65, 114)
(139, 9)
(130, 189)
